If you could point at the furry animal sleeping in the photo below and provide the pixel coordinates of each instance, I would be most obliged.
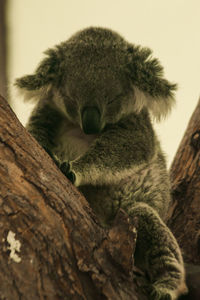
(95, 93)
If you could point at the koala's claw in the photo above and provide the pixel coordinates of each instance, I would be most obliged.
(71, 177)
(65, 168)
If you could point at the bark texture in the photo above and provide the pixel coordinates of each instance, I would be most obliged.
(184, 213)
(51, 245)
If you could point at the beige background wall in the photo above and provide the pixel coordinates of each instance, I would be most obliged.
(171, 28)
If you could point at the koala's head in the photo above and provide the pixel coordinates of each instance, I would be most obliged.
(98, 78)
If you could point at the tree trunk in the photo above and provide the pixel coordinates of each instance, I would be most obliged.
(51, 244)
(184, 213)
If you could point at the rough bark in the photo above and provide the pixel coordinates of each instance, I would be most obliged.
(184, 213)
(51, 245)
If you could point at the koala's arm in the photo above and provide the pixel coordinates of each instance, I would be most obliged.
(116, 153)
(43, 125)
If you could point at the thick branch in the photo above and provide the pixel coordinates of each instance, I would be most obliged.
(184, 215)
(51, 245)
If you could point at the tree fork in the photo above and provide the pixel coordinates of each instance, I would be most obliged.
(51, 244)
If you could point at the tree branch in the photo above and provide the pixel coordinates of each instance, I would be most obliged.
(51, 244)
(184, 215)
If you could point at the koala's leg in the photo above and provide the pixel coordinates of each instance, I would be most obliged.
(43, 125)
(158, 253)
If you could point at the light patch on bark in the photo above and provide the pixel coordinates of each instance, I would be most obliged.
(43, 176)
(15, 245)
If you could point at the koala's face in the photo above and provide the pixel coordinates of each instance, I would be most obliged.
(96, 90)
(99, 78)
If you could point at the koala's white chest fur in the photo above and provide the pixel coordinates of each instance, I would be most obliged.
(72, 142)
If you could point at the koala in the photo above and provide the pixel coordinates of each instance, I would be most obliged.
(96, 95)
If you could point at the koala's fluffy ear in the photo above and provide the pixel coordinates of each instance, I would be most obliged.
(45, 76)
(152, 90)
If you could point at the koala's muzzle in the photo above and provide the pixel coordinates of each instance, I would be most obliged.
(91, 120)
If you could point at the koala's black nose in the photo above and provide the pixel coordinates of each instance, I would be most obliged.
(91, 120)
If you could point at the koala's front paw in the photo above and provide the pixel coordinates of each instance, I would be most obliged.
(160, 294)
(65, 168)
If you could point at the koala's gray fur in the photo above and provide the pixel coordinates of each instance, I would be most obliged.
(95, 94)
